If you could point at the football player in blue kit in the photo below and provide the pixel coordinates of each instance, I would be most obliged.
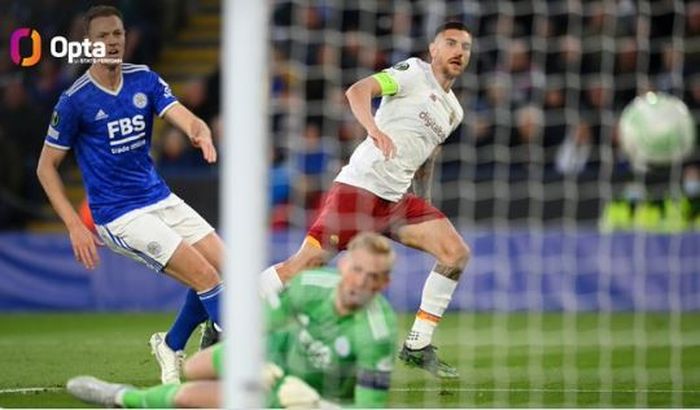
(106, 118)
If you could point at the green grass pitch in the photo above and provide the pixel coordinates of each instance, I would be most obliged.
(505, 360)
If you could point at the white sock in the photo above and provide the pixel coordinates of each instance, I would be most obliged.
(270, 283)
(437, 293)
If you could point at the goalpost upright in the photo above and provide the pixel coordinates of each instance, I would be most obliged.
(243, 200)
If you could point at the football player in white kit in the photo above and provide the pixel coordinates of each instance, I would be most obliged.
(417, 113)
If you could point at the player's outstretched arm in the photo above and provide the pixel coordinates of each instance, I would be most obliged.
(83, 241)
(195, 128)
(360, 96)
(423, 178)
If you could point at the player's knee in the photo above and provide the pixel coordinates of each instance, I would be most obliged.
(198, 394)
(456, 254)
(200, 366)
(204, 278)
(183, 399)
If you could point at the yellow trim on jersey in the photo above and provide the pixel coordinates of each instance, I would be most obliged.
(387, 83)
(313, 241)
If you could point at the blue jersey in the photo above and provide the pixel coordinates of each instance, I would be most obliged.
(110, 132)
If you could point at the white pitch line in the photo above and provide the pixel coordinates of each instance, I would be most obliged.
(25, 390)
(524, 390)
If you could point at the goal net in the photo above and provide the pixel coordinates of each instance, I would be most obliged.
(584, 283)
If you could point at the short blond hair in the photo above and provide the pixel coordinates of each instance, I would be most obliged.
(375, 243)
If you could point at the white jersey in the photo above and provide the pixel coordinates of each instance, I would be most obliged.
(417, 118)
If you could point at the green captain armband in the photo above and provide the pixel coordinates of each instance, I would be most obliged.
(387, 83)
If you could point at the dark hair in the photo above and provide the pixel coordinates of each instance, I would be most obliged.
(451, 25)
(100, 11)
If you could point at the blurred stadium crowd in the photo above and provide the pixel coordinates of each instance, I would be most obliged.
(547, 82)
(28, 95)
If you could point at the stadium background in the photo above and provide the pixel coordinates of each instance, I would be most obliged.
(559, 222)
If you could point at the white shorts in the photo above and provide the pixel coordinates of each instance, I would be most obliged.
(151, 234)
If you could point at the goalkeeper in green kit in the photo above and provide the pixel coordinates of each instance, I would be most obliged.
(331, 335)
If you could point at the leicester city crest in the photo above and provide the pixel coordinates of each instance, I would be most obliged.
(342, 346)
(140, 100)
(154, 248)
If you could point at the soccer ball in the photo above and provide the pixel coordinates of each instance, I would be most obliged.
(657, 129)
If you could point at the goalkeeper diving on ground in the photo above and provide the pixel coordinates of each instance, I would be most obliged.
(330, 335)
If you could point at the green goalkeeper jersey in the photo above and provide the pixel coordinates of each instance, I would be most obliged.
(348, 358)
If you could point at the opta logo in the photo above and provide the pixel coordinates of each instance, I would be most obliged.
(79, 52)
(15, 54)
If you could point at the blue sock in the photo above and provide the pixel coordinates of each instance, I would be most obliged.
(210, 300)
(191, 314)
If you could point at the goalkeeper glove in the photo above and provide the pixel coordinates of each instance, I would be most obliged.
(295, 393)
(271, 374)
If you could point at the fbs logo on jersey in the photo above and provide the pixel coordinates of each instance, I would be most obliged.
(124, 127)
(126, 134)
